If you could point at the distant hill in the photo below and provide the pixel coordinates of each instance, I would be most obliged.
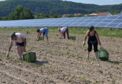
(55, 7)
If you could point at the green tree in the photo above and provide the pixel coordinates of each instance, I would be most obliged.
(21, 13)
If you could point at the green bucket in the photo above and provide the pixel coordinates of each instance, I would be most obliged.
(103, 54)
(29, 57)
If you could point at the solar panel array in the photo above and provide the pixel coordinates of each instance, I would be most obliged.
(114, 21)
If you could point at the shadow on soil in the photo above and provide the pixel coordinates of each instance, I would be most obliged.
(114, 62)
(41, 62)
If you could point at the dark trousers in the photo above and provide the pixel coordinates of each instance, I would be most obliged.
(94, 44)
(66, 33)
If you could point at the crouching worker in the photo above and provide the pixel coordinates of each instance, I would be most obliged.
(93, 40)
(20, 40)
(64, 32)
(42, 32)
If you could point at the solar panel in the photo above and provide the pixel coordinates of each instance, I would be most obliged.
(114, 21)
(113, 25)
(101, 17)
(102, 24)
(111, 17)
(120, 17)
(117, 21)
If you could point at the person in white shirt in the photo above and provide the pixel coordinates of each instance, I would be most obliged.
(64, 32)
(42, 32)
(20, 40)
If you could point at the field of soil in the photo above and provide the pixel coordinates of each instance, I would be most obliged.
(60, 61)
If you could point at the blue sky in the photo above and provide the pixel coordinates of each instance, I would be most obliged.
(98, 2)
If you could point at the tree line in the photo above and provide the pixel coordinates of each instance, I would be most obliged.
(29, 9)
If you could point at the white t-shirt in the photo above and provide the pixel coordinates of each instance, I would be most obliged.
(63, 29)
(41, 29)
(20, 37)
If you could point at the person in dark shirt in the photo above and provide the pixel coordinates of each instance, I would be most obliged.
(93, 40)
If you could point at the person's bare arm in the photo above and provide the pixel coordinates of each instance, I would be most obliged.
(98, 39)
(10, 46)
(85, 38)
(38, 36)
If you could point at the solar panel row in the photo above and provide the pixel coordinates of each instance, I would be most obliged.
(114, 21)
